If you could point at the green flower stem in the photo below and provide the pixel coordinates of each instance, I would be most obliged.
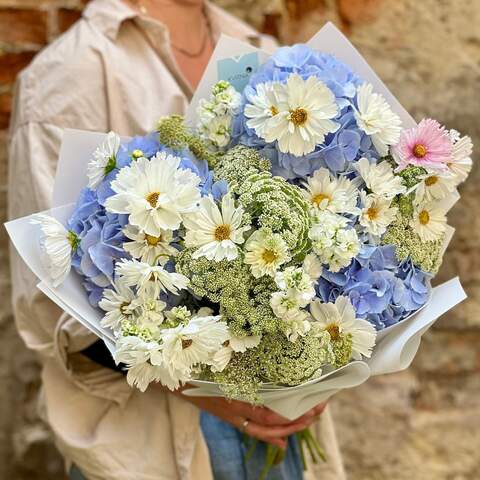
(276, 455)
(253, 445)
(269, 461)
(302, 451)
(315, 445)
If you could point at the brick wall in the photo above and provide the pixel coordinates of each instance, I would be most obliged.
(419, 424)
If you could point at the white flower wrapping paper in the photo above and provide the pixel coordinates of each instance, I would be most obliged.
(396, 346)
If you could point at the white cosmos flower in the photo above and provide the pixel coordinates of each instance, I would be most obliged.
(103, 160)
(57, 245)
(339, 319)
(379, 178)
(429, 221)
(144, 362)
(143, 374)
(147, 248)
(222, 357)
(217, 233)
(375, 117)
(132, 350)
(155, 193)
(193, 344)
(304, 116)
(435, 186)
(312, 267)
(118, 303)
(150, 278)
(377, 214)
(263, 106)
(324, 192)
(461, 161)
(265, 253)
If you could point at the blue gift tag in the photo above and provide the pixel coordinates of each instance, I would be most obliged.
(237, 70)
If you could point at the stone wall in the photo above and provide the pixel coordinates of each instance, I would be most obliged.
(423, 423)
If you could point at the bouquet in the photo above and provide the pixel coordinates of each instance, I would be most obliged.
(275, 247)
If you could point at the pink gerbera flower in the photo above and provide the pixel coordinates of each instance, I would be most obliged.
(427, 145)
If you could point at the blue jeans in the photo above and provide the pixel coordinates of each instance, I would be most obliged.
(227, 454)
(76, 474)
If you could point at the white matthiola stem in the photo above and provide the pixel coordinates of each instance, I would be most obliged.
(57, 245)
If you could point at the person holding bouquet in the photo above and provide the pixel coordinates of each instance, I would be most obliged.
(124, 65)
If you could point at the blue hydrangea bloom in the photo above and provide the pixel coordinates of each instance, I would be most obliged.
(100, 232)
(381, 289)
(200, 168)
(101, 243)
(341, 148)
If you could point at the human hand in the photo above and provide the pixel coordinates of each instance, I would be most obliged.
(257, 422)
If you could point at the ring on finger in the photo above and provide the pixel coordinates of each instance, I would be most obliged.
(244, 425)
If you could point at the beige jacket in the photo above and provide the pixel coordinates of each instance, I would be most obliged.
(114, 71)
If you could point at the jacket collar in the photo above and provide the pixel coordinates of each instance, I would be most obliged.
(109, 15)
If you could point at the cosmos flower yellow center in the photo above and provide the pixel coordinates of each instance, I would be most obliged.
(320, 197)
(420, 150)
(269, 256)
(273, 110)
(152, 199)
(429, 181)
(222, 232)
(298, 116)
(424, 217)
(372, 213)
(124, 308)
(186, 342)
(333, 330)
(152, 241)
